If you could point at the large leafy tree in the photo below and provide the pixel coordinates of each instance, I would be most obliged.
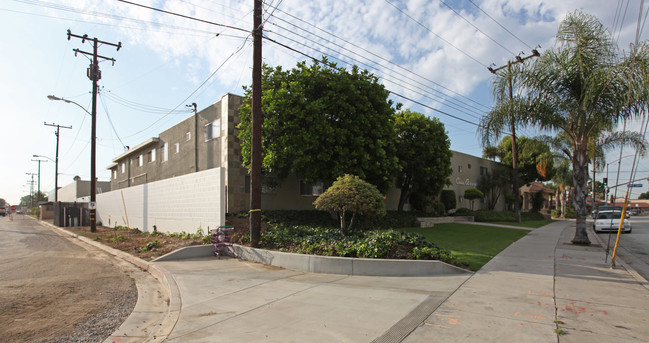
(535, 160)
(321, 122)
(579, 87)
(424, 154)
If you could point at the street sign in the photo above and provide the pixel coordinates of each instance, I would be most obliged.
(13, 208)
(635, 185)
(92, 205)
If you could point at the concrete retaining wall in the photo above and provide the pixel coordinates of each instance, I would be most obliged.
(431, 221)
(325, 264)
(182, 203)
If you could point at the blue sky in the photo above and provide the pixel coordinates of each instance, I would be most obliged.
(421, 49)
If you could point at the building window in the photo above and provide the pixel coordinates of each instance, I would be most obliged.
(469, 166)
(484, 171)
(140, 160)
(212, 130)
(315, 188)
(151, 156)
(459, 169)
(177, 148)
(115, 174)
(165, 152)
(123, 167)
(268, 186)
(188, 136)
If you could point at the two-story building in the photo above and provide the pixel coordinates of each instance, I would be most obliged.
(192, 174)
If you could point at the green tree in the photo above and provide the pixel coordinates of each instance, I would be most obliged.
(535, 160)
(447, 197)
(351, 194)
(321, 122)
(644, 195)
(33, 199)
(472, 194)
(495, 184)
(424, 154)
(579, 88)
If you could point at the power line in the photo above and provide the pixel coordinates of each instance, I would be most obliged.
(185, 16)
(386, 68)
(431, 31)
(470, 23)
(367, 51)
(495, 21)
(396, 94)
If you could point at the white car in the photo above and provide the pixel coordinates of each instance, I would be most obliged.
(610, 221)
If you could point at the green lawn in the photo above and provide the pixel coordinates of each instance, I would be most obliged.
(531, 223)
(473, 244)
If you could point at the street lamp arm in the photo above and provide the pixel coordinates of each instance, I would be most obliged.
(56, 98)
(49, 158)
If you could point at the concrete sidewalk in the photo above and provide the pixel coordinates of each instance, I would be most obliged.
(538, 287)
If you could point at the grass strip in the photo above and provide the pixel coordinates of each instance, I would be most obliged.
(473, 244)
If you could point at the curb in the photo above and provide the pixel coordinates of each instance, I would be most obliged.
(166, 280)
(324, 264)
(628, 268)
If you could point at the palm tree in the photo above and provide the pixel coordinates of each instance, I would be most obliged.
(510, 103)
(579, 89)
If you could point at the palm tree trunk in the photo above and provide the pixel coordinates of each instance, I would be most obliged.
(580, 182)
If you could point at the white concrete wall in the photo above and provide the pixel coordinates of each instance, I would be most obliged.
(182, 203)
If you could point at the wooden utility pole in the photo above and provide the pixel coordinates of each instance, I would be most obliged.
(255, 158)
(512, 127)
(56, 160)
(94, 74)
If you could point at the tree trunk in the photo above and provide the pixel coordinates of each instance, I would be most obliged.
(580, 182)
(343, 224)
(405, 192)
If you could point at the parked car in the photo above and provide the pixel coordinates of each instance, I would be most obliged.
(609, 220)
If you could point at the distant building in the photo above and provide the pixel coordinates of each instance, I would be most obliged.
(79, 190)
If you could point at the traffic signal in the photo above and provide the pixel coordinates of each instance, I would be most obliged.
(605, 181)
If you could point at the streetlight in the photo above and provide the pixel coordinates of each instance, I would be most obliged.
(56, 98)
(93, 147)
(39, 174)
(56, 175)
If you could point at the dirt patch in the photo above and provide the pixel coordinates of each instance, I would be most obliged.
(149, 246)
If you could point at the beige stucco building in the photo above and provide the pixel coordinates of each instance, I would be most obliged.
(208, 140)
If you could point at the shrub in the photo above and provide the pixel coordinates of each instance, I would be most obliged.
(462, 211)
(438, 208)
(556, 213)
(151, 246)
(570, 213)
(527, 216)
(369, 244)
(351, 194)
(447, 197)
(494, 216)
(472, 194)
(537, 201)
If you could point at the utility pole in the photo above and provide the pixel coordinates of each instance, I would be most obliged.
(255, 153)
(39, 175)
(93, 74)
(56, 160)
(512, 122)
(31, 191)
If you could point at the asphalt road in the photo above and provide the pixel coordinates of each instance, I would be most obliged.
(54, 290)
(634, 246)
